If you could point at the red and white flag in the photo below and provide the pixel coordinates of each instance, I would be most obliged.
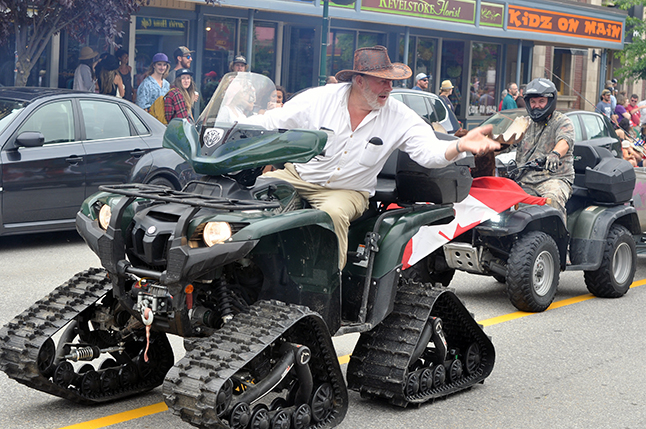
(488, 196)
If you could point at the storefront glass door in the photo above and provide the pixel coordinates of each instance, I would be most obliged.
(484, 79)
(300, 70)
(452, 68)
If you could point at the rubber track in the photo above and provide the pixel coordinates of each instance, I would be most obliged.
(379, 363)
(21, 339)
(191, 386)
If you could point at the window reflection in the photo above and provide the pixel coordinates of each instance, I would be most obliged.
(483, 89)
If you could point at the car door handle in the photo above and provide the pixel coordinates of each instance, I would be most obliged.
(137, 153)
(74, 159)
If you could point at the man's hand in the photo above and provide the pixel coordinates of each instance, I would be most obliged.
(477, 142)
(552, 162)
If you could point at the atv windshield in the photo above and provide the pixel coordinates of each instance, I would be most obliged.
(238, 96)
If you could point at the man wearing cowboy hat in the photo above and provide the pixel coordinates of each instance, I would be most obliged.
(445, 90)
(368, 127)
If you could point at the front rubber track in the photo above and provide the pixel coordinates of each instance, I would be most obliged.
(21, 339)
(192, 386)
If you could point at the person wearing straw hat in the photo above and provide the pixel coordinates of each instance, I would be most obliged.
(445, 90)
(84, 78)
(368, 126)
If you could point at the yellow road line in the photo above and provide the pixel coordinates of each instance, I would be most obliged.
(161, 406)
(121, 417)
(557, 304)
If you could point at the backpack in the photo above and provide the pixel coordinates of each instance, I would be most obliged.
(157, 110)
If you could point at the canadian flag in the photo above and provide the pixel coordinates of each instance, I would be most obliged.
(488, 196)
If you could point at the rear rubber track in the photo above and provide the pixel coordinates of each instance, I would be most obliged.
(191, 387)
(381, 366)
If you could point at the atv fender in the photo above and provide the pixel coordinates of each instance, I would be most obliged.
(590, 229)
(396, 232)
(530, 218)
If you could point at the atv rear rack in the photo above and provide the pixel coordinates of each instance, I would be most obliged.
(162, 193)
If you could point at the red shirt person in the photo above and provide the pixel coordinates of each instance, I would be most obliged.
(178, 102)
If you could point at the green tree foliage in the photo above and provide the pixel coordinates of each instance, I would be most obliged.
(633, 57)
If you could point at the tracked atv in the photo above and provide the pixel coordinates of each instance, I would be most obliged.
(250, 279)
(528, 246)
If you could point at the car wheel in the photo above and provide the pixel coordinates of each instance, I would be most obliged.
(161, 181)
(618, 263)
(533, 272)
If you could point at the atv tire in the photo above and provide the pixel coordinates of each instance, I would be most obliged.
(618, 263)
(533, 272)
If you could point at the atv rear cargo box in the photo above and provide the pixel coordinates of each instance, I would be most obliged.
(611, 181)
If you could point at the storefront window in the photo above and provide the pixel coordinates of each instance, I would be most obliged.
(483, 88)
(340, 50)
(155, 35)
(453, 69)
(69, 56)
(371, 39)
(219, 50)
(264, 47)
(423, 61)
(341, 47)
(301, 59)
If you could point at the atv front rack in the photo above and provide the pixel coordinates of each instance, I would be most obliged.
(162, 193)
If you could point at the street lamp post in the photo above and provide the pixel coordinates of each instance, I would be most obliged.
(325, 35)
(324, 42)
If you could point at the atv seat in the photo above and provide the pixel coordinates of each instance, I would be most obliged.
(386, 189)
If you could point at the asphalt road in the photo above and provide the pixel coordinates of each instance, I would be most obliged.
(580, 365)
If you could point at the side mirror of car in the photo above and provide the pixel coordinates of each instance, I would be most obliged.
(30, 139)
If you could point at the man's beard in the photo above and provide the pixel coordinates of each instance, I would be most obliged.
(371, 98)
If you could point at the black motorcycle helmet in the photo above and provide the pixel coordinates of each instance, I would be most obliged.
(541, 87)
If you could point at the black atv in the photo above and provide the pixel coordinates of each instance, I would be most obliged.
(250, 278)
(528, 246)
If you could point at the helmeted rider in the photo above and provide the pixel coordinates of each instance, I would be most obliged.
(550, 135)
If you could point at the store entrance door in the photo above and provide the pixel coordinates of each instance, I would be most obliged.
(452, 68)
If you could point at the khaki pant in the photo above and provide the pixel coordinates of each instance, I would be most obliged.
(342, 205)
(558, 191)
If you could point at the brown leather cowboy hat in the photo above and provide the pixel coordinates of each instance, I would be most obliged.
(375, 62)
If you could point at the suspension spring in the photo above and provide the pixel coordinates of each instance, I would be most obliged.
(224, 301)
(84, 353)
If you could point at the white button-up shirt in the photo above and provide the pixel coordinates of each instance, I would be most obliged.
(349, 161)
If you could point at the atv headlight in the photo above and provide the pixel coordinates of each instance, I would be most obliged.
(104, 216)
(216, 233)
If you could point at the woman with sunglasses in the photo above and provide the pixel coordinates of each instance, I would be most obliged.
(154, 85)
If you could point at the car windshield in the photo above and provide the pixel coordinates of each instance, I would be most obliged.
(238, 96)
(9, 109)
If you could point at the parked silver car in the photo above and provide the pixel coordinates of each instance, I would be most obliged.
(429, 106)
